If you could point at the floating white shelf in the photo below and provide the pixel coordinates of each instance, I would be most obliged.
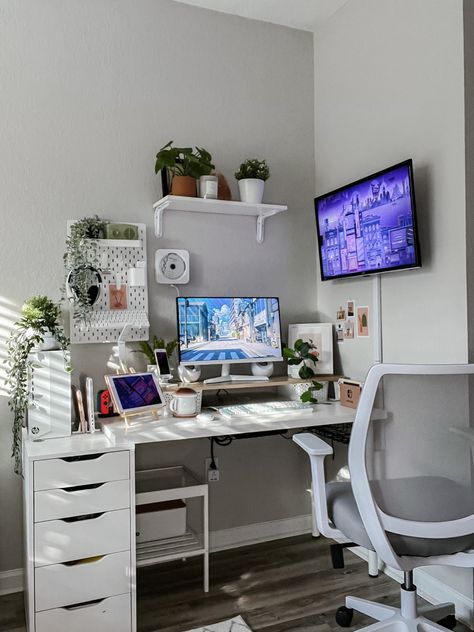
(222, 207)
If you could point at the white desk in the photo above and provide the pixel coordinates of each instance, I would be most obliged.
(150, 430)
(90, 478)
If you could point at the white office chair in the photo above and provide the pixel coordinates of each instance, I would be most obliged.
(409, 522)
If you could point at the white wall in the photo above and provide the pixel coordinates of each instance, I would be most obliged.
(90, 91)
(389, 84)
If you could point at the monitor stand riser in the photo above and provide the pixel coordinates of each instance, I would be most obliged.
(226, 376)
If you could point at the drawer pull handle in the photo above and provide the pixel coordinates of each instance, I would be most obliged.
(84, 604)
(82, 457)
(86, 517)
(80, 488)
(84, 560)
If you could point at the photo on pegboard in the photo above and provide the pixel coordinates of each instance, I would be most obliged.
(117, 296)
(362, 322)
(349, 328)
(350, 308)
(340, 331)
(341, 314)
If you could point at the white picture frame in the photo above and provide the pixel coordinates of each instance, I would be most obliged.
(322, 336)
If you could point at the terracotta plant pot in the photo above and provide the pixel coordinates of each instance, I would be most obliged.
(183, 185)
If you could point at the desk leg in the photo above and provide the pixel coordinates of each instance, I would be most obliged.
(206, 541)
(373, 564)
(314, 522)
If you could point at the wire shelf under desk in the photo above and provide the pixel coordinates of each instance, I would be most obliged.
(168, 549)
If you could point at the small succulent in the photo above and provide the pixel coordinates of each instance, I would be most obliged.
(253, 168)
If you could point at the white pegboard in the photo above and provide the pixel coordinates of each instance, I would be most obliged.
(115, 260)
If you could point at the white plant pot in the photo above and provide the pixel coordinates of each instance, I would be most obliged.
(49, 343)
(251, 190)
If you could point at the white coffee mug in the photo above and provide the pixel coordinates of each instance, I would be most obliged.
(184, 403)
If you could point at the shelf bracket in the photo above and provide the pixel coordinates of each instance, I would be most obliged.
(261, 224)
(159, 212)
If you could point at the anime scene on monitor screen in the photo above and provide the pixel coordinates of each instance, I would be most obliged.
(368, 226)
(228, 329)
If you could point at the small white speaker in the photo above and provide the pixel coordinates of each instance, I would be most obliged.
(262, 369)
(189, 373)
(171, 266)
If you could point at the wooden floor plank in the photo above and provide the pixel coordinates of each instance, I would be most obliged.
(280, 586)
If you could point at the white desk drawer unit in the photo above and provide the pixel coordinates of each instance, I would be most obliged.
(58, 541)
(52, 504)
(83, 554)
(105, 615)
(86, 470)
(60, 585)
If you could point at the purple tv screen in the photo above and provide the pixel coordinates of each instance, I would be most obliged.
(369, 226)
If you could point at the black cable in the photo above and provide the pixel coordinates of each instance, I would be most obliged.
(212, 464)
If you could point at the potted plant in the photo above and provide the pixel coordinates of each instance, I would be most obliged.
(251, 176)
(305, 353)
(81, 261)
(38, 329)
(185, 166)
(148, 348)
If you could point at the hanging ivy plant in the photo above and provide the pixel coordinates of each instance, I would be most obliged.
(39, 317)
(81, 262)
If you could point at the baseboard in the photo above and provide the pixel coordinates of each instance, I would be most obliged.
(259, 532)
(11, 581)
(432, 589)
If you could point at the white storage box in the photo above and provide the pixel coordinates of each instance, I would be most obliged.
(155, 521)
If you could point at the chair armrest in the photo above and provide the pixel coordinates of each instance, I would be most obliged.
(312, 444)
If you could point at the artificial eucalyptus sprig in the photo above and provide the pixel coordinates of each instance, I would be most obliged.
(80, 259)
(39, 315)
(305, 353)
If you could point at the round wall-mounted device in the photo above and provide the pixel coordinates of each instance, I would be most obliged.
(171, 266)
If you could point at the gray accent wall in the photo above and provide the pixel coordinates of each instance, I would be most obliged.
(90, 91)
(389, 85)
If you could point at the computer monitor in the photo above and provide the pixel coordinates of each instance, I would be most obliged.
(224, 330)
(369, 226)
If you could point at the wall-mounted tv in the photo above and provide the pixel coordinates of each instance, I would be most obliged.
(369, 226)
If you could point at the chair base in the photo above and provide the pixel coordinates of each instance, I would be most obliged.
(404, 619)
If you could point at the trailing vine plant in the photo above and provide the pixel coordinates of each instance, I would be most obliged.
(307, 354)
(81, 260)
(39, 315)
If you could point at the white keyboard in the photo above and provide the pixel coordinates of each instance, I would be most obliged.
(116, 319)
(267, 409)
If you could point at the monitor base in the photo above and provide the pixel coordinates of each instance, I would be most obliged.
(236, 378)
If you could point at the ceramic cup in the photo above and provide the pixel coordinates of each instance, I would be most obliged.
(184, 403)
